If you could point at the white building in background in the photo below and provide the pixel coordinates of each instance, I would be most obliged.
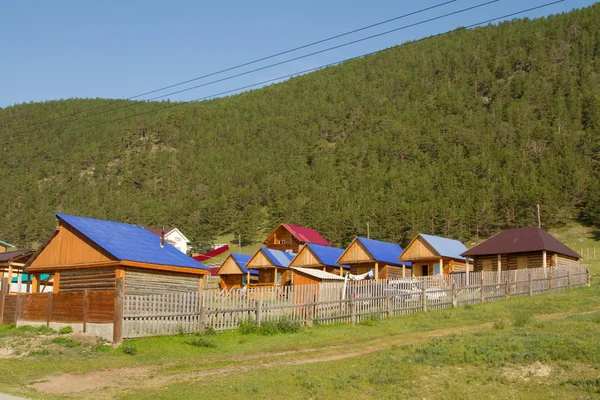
(174, 237)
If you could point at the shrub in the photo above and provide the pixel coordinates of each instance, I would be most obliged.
(128, 348)
(520, 319)
(201, 341)
(286, 325)
(64, 330)
(37, 353)
(371, 320)
(210, 331)
(247, 327)
(101, 346)
(65, 342)
(499, 324)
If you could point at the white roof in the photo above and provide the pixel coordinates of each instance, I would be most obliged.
(317, 273)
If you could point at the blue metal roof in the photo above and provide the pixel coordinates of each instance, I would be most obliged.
(241, 260)
(383, 251)
(326, 254)
(445, 247)
(130, 242)
(278, 258)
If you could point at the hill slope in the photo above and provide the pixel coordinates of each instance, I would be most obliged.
(458, 135)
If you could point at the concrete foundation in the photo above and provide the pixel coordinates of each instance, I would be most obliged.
(105, 331)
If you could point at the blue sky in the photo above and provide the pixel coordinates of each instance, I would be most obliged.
(118, 49)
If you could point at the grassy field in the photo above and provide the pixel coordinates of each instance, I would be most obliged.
(544, 346)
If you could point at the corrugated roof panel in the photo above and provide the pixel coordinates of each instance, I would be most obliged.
(326, 254)
(445, 247)
(130, 242)
(382, 251)
(306, 235)
(279, 258)
(241, 260)
(317, 273)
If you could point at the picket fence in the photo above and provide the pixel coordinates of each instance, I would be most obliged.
(339, 302)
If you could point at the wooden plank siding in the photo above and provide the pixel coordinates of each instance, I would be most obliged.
(87, 279)
(290, 242)
(10, 309)
(70, 247)
(139, 282)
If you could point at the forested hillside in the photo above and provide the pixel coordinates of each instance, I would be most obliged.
(458, 135)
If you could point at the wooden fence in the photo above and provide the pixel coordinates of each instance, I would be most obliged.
(339, 302)
(590, 253)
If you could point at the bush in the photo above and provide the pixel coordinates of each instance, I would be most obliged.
(269, 328)
(210, 331)
(65, 342)
(128, 348)
(248, 327)
(520, 319)
(499, 324)
(201, 341)
(371, 320)
(64, 330)
(41, 352)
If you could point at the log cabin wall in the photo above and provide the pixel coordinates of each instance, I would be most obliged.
(523, 260)
(78, 280)
(140, 282)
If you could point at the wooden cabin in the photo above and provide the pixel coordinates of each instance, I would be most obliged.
(272, 266)
(434, 255)
(312, 276)
(4, 246)
(316, 256)
(12, 265)
(521, 248)
(89, 254)
(234, 274)
(364, 255)
(292, 238)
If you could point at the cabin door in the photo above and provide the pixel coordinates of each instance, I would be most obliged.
(424, 270)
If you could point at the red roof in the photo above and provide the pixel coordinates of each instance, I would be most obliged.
(521, 240)
(306, 235)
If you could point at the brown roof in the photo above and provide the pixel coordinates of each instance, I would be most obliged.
(11, 255)
(521, 240)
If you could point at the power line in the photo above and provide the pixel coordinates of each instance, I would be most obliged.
(327, 65)
(288, 60)
(245, 64)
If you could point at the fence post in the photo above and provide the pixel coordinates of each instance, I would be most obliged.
(3, 292)
(530, 284)
(569, 278)
(203, 318)
(507, 288)
(49, 309)
(587, 277)
(258, 311)
(390, 306)
(482, 287)
(118, 315)
(311, 312)
(352, 311)
(424, 296)
(85, 310)
(453, 293)
(550, 280)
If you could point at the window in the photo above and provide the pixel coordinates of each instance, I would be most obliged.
(281, 241)
(177, 239)
(436, 269)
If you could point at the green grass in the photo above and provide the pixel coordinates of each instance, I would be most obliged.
(482, 345)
